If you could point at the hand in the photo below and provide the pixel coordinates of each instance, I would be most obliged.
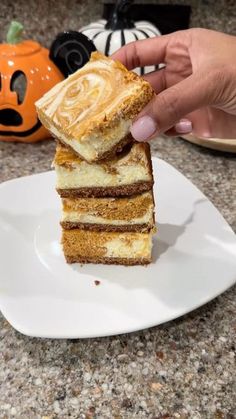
(195, 92)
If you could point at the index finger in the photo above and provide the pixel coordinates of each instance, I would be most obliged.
(144, 52)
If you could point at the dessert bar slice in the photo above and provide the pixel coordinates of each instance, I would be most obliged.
(128, 173)
(135, 213)
(91, 111)
(128, 248)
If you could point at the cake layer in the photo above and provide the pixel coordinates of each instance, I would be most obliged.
(107, 247)
(91, 111)
(127, 173)
(134, 213)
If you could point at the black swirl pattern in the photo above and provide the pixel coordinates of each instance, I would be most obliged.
(70, 51)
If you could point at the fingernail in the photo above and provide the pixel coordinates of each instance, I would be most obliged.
(184, 126)
(206, 134)
(143, 128)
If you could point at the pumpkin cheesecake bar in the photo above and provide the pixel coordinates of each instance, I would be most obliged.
(128, 172)
(127, 248)
(135, 213)
(91, 111)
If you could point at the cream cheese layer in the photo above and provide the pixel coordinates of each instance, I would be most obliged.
(138, 247)
(90, 147)
(127, 169)
(76, 217)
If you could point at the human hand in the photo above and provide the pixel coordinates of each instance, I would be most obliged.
(195, 92)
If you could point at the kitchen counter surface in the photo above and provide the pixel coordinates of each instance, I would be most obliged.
(182, 369)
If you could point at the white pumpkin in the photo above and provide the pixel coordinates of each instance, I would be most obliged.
(109, 36)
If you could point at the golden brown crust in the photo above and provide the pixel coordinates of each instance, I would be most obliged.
(109, 191)
(139, 228)
(108, 261)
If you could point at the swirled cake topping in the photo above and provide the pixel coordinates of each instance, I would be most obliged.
(89, 93)
(92, 109)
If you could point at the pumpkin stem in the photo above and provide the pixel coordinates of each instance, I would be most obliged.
(14, 32)
(119, 16)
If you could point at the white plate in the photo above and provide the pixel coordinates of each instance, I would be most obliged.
(221, 144)
(40, 295)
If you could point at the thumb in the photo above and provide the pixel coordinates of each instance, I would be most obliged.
(169, 107)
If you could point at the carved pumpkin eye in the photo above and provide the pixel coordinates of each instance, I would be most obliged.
(18, 85)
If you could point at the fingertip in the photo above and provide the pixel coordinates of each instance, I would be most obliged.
(143, 128)
(184, 126)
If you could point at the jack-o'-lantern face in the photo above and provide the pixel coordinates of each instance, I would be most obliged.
(26, 73)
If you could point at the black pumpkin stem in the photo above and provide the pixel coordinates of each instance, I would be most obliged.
(119, 18)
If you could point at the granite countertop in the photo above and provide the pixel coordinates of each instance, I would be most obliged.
(182, 369)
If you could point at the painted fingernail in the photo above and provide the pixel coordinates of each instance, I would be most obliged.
(184, 126)
(143, 128)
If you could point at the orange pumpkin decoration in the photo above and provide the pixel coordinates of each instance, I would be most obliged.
(26, 73)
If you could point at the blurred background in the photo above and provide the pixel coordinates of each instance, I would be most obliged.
(43, 19)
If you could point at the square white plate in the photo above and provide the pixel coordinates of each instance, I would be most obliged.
(40, 295)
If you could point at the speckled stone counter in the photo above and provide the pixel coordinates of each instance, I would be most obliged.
(183, 369)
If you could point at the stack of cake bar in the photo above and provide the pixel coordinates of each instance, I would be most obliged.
(104, 178)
